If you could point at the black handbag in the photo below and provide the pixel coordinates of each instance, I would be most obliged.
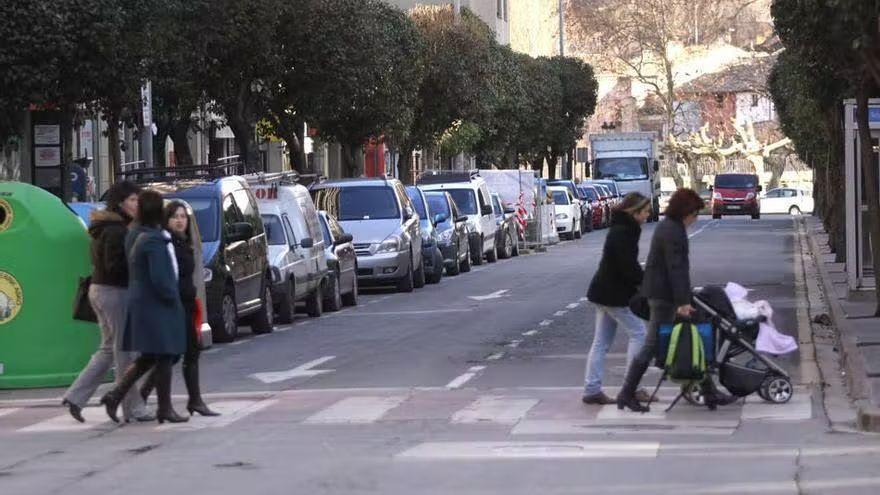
(638, 304)
(82, 307)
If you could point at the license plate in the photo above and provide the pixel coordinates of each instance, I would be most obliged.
(734, 207)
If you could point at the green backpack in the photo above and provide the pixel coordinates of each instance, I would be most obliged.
(685, 358)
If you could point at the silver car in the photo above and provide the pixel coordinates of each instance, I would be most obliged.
(380, 216)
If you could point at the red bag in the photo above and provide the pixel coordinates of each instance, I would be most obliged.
(197, 319)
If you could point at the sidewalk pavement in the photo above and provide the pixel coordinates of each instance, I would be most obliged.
(857, 331)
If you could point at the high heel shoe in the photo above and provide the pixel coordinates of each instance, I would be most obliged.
(202, 409)
(111, 404)
(74, 410)
(632, 404)
(171, 417)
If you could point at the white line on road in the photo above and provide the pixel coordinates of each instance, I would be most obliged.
(573, 305)
(465, 377)
(560, 313)
(583, 299)
(514, 344)
(404, 313)
(530, 333)
(495, 295)
(532, 450)
(546, 323)
(237, 342)
(495, 409)
(302, 370)
(358, 410)
(4, 412)
(704, 227)
(495, 357)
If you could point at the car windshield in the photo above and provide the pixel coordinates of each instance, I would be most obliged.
(437, 203)
(274, 230)
(590, 193)
(416, 199)
(735, 181)
(465, 199)
(627, 168)
(205, 210)
(560, 198)
(358, 203)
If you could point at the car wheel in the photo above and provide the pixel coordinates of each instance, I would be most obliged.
(507, 252)
(716, 216)
(465, 266)
(287, 304)
(437, 274)
(224, 323)
(419, 275)
(263, 320)
(333, 300)
(315, 302)
(455, 268)
(756, 216)
(406, 284)
(794, 211)
(476, 250)
(576, 232)
(351, 298)
(588, 222)
(492, 255)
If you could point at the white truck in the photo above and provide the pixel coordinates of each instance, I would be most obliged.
(630, 160)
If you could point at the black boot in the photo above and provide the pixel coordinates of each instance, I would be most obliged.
(165, 411)
(627, 396)
(714, 397)
(191, 379)
(74, 410)
(147, 387)
(113, 398)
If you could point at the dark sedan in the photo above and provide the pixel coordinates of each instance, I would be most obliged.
(452, 232)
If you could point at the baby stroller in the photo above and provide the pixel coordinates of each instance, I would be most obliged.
(736, 364)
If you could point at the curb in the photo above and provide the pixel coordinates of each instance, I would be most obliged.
(851, 360)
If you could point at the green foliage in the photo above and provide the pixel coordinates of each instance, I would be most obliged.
(461, 137)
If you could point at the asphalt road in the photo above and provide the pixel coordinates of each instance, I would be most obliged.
(469, 386)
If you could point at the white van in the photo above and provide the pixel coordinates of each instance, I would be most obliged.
(296, 244)
(473, 198)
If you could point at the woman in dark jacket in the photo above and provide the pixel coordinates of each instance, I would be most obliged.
(667, 285)
(107, 294)
(616, 281)
(154, 326)
(177, 223)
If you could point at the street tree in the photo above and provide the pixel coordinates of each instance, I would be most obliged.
(578, 89)
(842, 35)
(544, 93)
(351, 84)
(641, 39)
(241, 65)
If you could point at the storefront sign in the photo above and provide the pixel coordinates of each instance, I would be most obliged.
(47, 135)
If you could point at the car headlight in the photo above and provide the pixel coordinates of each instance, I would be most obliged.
(750, 196)
(561, 216)
(389, 245)
(446, 235)
(716, 196)
(207, 274)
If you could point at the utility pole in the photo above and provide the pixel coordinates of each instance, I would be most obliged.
(147, 124)
(561, 29)
(568, 158)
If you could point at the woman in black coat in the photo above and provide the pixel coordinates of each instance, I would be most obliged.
(616, 281)
(177, 223)
(154, 326)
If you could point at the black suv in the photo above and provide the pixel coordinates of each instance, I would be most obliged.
(237, 272)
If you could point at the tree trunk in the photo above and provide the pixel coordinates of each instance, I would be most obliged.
(349, 160)
(180, 137)
(552, 161)
(869, 175)
(113, 146)
(160, 158)
(248, 153)
(405, 165)
(296, 148)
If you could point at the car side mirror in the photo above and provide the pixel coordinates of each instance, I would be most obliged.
(486, 210)
(656, 166)
(440, 218)
(344, 239)
(240, 231)
(307, 243)
(461, 219)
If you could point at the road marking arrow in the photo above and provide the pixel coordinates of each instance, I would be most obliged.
(301, 370)
(495, 295)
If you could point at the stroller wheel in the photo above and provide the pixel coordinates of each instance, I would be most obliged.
(694, 394)
(776, 389)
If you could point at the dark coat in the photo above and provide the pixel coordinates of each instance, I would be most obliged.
(108, 230)
(186, 265)
(668, 272)
(619, 275)
(155, 313)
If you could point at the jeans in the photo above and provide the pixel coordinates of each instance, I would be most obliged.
(608, 320)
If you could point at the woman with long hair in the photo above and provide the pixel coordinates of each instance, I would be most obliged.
(616, 281)
(155, 324)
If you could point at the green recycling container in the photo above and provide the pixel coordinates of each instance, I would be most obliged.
(44, 250)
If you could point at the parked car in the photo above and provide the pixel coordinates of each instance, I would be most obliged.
(567, 212)
(605, 201)
(471, 194)
(597, 213)
(341, 258)
(452, 232)
(578, 197)
(237, 274)
(83, 211)
(786, 200)
(616, 196)
(296, 247)
(380, 216)
(507, 234)
(432, 258)
(736, 194)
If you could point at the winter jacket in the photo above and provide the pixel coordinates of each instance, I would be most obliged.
(619, 275)
(155, 321)
(108, 230)
(667, 273)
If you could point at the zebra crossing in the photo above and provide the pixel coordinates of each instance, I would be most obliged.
(519, 412)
